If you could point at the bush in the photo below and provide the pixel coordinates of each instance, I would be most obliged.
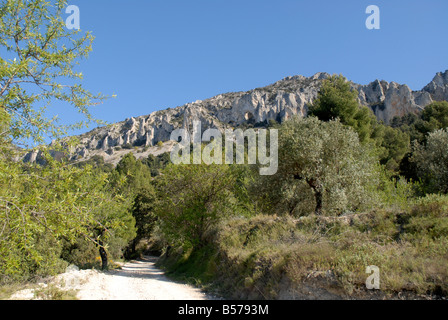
(81, 253)
(193, 198)
(432, 161)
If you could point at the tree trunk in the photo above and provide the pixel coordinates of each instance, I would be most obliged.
(317, 195)
(132, 249)
(103, 255)
(319, 201)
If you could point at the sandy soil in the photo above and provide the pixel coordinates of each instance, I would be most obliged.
(136, 280)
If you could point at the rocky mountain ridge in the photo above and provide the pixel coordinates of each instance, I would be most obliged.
(279, 101)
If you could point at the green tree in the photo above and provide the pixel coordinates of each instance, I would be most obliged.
(97, 162)
(418, 127)
(43, 206)
(39, 68)
(431, 160)
(394, 146)
(143, 211)
(157, 163)
(114, 227)
(337, 100)
(323, 161)
(133, 173)
(133, 178)
(193, 198)
(433, 117)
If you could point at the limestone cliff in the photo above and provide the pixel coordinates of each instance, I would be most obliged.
(279, 101)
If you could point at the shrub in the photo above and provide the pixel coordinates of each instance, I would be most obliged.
(432, 161)
(194, 198)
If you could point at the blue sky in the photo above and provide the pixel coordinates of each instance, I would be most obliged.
(156, 54)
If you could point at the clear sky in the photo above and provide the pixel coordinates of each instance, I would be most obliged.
(156, 54)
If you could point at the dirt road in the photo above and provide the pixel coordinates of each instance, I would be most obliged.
(137, 280)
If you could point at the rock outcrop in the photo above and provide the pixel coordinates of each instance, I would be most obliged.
(280, 101)
(388, 100)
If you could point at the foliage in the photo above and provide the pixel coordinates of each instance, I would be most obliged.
(321, 160)
(44, 206)
(432, 118)
(39, 68)
(394, 144)
(392, 191)
(271, 257)
(143, 211)
(337, 100)
(130, 175)
(97, 162)
(157, 163)
(431, 160)
(193, 198)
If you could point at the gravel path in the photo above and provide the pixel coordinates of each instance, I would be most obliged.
(137, 280)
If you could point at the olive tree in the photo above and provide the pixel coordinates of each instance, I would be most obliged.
(321, 162)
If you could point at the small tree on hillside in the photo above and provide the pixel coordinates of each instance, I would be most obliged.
(432, 161)
(337, 100)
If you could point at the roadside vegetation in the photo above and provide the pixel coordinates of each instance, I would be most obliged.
(337, 204)
(52, 213)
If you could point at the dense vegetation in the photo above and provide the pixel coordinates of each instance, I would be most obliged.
(53, 213)
(349, 191)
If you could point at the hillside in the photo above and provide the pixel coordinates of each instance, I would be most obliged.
(279, 101)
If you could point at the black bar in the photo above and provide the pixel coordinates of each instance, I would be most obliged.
(222, 309)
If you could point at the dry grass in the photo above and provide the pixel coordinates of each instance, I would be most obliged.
(255, 257)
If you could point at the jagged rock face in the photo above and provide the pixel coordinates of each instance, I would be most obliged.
(438, 87)
(280, 101)
(388, 100)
